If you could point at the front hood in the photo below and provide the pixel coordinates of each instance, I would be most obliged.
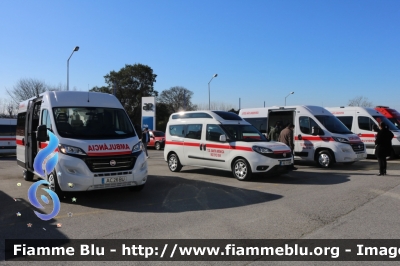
(103, 147)
(353, 138)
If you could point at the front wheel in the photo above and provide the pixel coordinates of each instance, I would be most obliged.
(174, 164)
(28, 176)
(325, 159)
(241, 170)
(54, 186)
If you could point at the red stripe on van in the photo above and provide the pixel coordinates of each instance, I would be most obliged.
(191, 144)
(314, 138)
(19, 142)
(174, 142)
(4, 139)
(108, 153)
(366, 135)
(43, 145)
(241, 148)
(218, 146)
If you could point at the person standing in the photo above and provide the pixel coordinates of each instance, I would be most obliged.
(383, 146)
(145, 139)
(274, 133)
(287, 136)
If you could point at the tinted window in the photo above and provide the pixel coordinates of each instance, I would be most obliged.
(386, 121)
(21, 124)
(46, 119)
(213, 132)
(365, 123)
(395, 122)
(346, 120)
(177, 130)
(191, 115)
(7, 130)
(228, 115)
(246, 133)
(332, 124)
(193, 131)
(259, 123)
(158, 134)
(306, 123)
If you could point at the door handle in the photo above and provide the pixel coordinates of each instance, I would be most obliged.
(300, 137)
(204, 147)
(201, 146)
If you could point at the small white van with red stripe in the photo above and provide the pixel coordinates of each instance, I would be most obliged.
(362, 120)
(318, 135)
(7, 135)
(98, 147)
(222, 140)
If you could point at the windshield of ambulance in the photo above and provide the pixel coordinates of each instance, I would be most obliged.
(332, 124)
(386, 121)
(246, 133)
(395, 121)
(92, 123)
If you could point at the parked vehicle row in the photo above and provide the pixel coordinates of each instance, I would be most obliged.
(7, 135)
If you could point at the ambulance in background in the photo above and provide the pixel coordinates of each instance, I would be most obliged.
(390, 114)
(7, 135)
(318, 135)
(98, 146)
(361, 121)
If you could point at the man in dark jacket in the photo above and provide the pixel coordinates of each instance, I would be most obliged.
(146, 139)
(286, 136)
(383, 146)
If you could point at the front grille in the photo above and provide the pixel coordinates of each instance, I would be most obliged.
(102, 164)
(357, 146)
(278, 155)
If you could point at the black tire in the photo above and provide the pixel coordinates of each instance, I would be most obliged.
(28, 176)
(174, 164)
(136, 188)
(157, 146)
(241, 170)
(324, 159)
(54, 186)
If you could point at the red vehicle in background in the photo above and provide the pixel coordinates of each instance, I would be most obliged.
(157, 139)
(390, 114)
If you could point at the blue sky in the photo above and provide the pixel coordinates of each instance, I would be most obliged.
(327, 52)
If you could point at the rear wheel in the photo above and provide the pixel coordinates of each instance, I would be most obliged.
(174, 164)
(325, 159)
(136, 188)
(28, 176)
(157, 146)
(241, 170)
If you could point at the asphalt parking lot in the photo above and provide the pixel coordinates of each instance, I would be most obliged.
(341, 202)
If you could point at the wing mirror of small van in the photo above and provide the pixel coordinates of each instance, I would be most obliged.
(41, 134)
(222, 138)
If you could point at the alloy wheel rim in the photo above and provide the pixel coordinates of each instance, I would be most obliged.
(324, 160)
(172, 163)
(240, 170)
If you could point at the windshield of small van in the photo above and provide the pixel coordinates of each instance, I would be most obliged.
(243, 133)
(332, 124)
(92, 123)
(390, 125)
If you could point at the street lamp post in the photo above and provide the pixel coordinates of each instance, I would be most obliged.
(209, 102)
(288, 96)
(75, 50)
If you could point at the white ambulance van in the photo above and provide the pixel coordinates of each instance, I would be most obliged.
(222, 140)
(98, 146)
(318, 135)
(7, 135)
(362, 120)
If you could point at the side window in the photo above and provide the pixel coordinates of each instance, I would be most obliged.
(44, 117)
(21, 124)
(193, 131)
(48, 121)
(365, 123)
(177, 130)
(213, 132)
(347, 121)
(306, 123)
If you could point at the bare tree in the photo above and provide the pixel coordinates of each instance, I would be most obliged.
(360, 101)
(177, 99)
(10, 109)
(220, 106)
(27, 88)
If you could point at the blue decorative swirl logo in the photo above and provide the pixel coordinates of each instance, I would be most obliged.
(45, 162)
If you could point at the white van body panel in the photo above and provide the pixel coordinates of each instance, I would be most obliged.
(92, 170)
(358, 116)
(203, 152)
(7, 136)
(307, 146)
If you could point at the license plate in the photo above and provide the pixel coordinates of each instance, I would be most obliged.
(118, 179)
(287, 162)
(360, 156)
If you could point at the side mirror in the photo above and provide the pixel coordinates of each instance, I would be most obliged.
(41, 134)
(222, 138)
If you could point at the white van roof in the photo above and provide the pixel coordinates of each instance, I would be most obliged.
(263, 111)
(353, 109)
(75, 99)
(195, 116)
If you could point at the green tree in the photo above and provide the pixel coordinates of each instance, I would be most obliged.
(177, 99)
(132, 82)
(162, 116)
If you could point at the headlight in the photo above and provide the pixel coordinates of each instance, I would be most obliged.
(66, 149)
(262, 150)
(339, 139)
(137, 147)
(346, 150)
